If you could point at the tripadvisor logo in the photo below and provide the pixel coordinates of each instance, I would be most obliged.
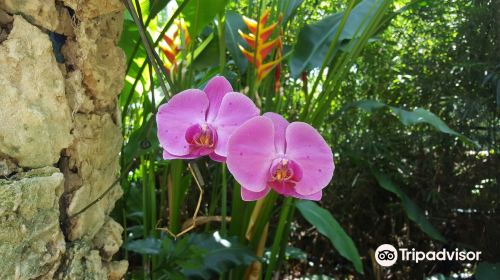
(386, 255)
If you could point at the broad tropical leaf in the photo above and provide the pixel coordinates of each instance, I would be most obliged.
(234, 22)
(326, 224)
(148, 246)
(221, 255)
(314, 39)
(199, 13)
(289, 8)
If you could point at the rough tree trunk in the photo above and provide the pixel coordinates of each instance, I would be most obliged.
(59, 138)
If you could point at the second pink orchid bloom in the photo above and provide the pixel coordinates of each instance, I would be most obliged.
(268, 153)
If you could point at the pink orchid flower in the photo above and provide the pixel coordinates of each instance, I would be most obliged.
(268, 152)
(196, 123)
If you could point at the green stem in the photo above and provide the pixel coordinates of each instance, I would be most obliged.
(237, 206)
(222, 42)
(287, 205)
(284, 240)
(327, 59)
(147, 45)
(223, 229)
(176, 169)
(263, 219)
(145, 218)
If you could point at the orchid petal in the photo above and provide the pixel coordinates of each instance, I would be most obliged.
(280, 125)
(175, 117)
(216, 157)
(306, 147)
(248, 195)
(315, 196)
(235, 109)
(167, 155)
(216, 89)
(250, 152)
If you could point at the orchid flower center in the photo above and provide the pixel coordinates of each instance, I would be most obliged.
(285, 171)
(281, 171)
(201, 136)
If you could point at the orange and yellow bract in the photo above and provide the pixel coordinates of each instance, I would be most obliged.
(258, 41)
(173, 43)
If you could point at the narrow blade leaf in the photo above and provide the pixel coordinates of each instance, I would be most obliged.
(412, 210)
(408, 118)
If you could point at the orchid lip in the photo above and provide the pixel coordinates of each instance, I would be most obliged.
(285, 170)
(201, 137)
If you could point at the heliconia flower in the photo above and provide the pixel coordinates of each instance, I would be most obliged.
(172, 42)
(195, 123)
(261, 46)
(277, 72)
(268, 152)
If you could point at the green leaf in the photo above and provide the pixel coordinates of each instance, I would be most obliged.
(155, 6)
(178, 255)
(220, 255)
(148, 246)
(234, 21)
(412, 210)
(289, 7)
(314, 39)
(312, 44)
(487, 271)
(199, 13)
(367, 105)
(142, 141)
(416, 116)
(326, 224)
(208, 56)
(420, 115)
(128, 40)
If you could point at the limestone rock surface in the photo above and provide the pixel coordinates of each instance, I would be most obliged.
(44, 13)
(82, 262)
(94, 135)
(109, 239)
(35, 115)
(31, 241)
(92, 8)
(101, 62)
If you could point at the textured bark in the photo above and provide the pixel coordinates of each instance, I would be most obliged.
(60, 138)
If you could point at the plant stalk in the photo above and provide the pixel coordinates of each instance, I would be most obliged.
(287, 205)
(223, 229)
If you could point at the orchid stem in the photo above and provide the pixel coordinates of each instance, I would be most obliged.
(223, 229)
(222, 43)
(287, 205)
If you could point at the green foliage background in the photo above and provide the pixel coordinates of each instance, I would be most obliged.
(413, 123)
